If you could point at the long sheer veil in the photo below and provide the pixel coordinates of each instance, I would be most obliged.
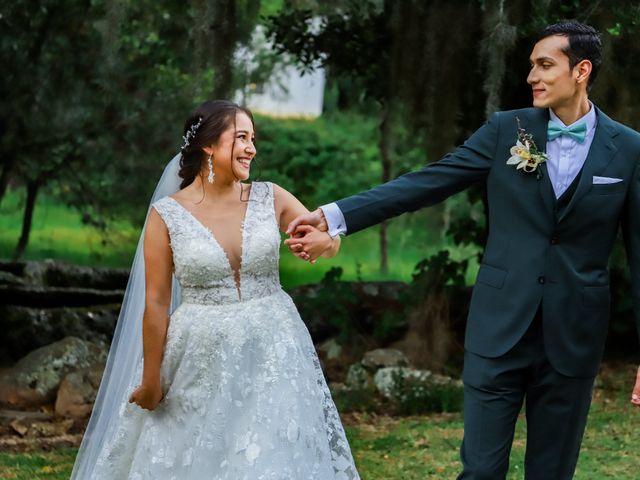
(126, 347)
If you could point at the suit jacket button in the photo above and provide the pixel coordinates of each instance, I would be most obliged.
(541, 280)
(554, 240)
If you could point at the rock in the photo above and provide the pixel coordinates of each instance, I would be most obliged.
(8, 278)
(78, 391)
(358, 378)
(49, 429)
(384, 357)
(35, 379)
(19, 425)
(55, 297)
(26, 329)
(385, 380)
(331, 349)
(55, 273)
(8, 416)
(31, 428)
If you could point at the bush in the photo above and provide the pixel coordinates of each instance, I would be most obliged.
(318, 160)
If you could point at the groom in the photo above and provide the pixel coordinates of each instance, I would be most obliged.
(540, 307)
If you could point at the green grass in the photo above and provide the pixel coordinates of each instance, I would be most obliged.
(59, 233)
(55, 465)
(415, 448)
(427, 446)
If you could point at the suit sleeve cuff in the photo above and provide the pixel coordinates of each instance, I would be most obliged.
(335, 219)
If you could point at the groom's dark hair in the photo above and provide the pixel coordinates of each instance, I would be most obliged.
(584, 44)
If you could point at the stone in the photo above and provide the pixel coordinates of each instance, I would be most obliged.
(331, 349)
(35, 379)
(19, 425)
(26, 328)
(384, 357)
(50, 429)
(385, 380)
(55, 273)
(78, 391)
(8, 416)
(358, 378)
(8, 278)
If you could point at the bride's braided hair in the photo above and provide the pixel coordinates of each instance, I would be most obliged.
(202, 129)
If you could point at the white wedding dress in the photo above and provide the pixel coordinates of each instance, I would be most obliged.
(245, 396)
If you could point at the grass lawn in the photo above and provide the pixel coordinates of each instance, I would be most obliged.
(59, 233)
(415, 448)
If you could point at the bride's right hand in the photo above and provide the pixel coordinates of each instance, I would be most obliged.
(147, 396)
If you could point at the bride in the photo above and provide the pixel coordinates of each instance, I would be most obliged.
(212, 374)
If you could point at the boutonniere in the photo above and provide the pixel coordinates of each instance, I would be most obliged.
(525, 153)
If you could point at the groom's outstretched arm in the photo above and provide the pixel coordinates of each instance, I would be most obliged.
(431, 184)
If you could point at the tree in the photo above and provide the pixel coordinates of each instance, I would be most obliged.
(99, 112)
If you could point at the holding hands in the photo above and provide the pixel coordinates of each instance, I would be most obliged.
(309, 238)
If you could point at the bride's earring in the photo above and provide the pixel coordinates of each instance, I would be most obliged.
(211, 175)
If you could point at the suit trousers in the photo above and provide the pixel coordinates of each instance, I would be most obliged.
(556, 409)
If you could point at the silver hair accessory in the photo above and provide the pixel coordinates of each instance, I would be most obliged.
(211, 175)
(190, 134)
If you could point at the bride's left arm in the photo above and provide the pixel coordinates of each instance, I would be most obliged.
(307, 242)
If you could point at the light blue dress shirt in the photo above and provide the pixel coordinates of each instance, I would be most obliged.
(566, 155)
(566, 159)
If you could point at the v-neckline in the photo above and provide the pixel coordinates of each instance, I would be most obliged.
(212, 237)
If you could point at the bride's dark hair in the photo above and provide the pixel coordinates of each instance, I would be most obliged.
(217, 116)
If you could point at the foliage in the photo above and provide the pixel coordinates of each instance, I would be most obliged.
(438, 272)
(353, 40)
(433, 276)
(318, 160)
(415, 396)
(336, 301)
(355, 400)
(94, 119)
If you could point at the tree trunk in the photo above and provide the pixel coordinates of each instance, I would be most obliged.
(5, 176)
(387, 164)
(499, 39)
(224, 37)
(427, 342)
(33, 186)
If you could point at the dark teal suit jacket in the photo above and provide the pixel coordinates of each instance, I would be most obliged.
(533, 256)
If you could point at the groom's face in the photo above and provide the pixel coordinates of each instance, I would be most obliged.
(552, 80)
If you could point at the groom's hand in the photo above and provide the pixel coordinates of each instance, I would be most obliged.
(635, 395)
(309, 243)
(315, 219)
(298, 228)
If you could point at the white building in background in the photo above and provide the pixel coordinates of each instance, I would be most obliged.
(292, 95)
(288, 93)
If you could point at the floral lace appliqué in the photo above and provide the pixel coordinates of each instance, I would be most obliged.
(245, 397)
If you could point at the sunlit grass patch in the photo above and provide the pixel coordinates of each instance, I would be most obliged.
(56, 465)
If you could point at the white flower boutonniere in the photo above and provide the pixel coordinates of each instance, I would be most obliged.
(525, 153)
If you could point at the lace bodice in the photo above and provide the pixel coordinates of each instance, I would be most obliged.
(201, 265)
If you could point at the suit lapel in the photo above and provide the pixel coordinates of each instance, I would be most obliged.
(536, 125)
(600, 154)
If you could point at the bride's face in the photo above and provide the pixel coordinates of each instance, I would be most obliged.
(235, 150)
